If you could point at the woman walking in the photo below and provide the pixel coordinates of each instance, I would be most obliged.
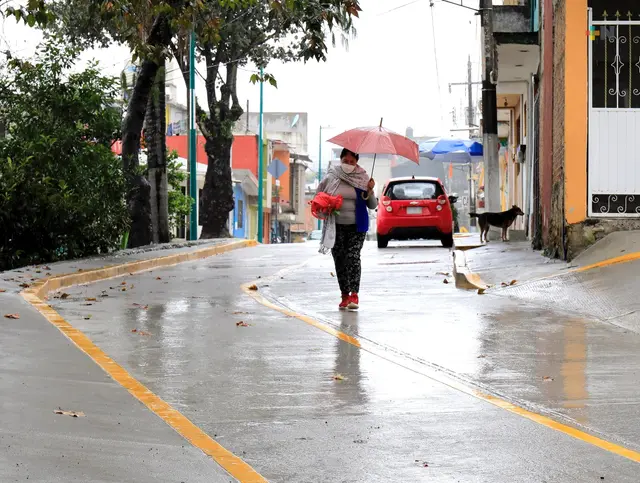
(344, 232)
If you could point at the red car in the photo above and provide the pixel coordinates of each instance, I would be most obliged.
(413, 209)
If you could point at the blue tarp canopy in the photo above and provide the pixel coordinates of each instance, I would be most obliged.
(450, 150)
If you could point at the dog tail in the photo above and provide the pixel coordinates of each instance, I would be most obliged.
(474, 215)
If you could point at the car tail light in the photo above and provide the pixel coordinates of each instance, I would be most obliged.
(386, 201)
(442, 199)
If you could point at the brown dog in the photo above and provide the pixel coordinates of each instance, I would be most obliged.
(502, 220)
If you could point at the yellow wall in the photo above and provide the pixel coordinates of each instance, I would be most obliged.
(575, 114)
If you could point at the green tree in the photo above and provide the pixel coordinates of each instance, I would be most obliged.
(61, 187)
(228, 38)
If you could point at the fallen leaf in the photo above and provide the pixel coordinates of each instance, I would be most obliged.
(547, 378)
(48, 274)
(481, 291)
(12, 316)
(134, 330)
(25, 285)
(446, 274)
(242, 324)
(158, 278)
(38, 271)
(513, 282)
(505, 284)
(104, 295)
(481, 356)
(332, 274)
(2, 290)
(88, 304)
(73, 414)
(142, 332)
(46, 268)
(339, 377)
(445, 281)
(123, 289)
(239, 312)
(64, 296)
(90, 299)
(123, 283)
(253, 287)
(87, 317)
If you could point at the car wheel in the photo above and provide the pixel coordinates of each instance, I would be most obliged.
(383, 241)
(447, 241)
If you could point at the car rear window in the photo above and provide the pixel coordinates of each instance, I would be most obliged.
(414, 190)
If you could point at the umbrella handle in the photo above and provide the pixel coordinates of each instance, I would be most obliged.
(374, 164)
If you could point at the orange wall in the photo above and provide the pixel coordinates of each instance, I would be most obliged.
(285, 184)
(576, 111)
(181, 145)
(244, 153)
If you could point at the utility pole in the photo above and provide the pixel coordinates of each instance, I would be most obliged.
(260, 160)
(471, 127)
(193, 175)
(490, 110)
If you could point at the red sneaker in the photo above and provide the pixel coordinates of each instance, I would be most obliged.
(345, 302)
(354, 302)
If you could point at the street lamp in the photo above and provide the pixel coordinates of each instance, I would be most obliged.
(320, 162)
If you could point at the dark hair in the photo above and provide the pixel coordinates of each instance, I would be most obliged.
(346, 151)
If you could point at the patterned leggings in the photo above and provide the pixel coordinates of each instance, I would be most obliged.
(346, 255)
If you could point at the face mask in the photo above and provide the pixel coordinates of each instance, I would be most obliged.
(348, 168)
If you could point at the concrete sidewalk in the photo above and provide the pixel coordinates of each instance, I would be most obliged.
(116, 439)
(597, 285)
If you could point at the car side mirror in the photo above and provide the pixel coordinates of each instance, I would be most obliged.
(453, 199)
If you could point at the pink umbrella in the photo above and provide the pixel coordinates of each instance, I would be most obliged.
(377, 140)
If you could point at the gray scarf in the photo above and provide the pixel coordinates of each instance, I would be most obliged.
(330, 184)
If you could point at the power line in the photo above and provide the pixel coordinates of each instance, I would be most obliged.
(435, 55)
(398, 8)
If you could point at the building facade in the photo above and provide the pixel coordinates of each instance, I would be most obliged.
(569, 85)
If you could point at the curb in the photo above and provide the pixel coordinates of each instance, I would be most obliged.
(465, 278)
(41, 288)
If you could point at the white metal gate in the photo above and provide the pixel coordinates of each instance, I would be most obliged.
(614, 115)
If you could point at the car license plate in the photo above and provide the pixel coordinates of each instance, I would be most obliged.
(414, 210)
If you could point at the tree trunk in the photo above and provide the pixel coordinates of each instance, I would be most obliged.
(217, 195)
(139, 193)
(155, 132)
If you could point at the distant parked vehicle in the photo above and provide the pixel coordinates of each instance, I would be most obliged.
(415, 208)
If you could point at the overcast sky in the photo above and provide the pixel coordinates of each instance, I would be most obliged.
(388, 71)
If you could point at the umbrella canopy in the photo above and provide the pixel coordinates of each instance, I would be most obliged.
(377, 140)
(451, 150)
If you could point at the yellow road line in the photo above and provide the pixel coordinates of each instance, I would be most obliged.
(456, 384)
(235, 466)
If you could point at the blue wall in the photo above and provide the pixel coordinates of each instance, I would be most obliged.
(239, 212)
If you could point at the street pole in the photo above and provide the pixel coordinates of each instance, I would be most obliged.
(490, 110)
(260, 160)
(193, 175)
(471, 127)
(320, 168)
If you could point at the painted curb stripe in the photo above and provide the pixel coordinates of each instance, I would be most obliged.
(236, 467)
(475, 278)
(456, 384)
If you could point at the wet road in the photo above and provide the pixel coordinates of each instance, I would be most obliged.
(404, 405)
